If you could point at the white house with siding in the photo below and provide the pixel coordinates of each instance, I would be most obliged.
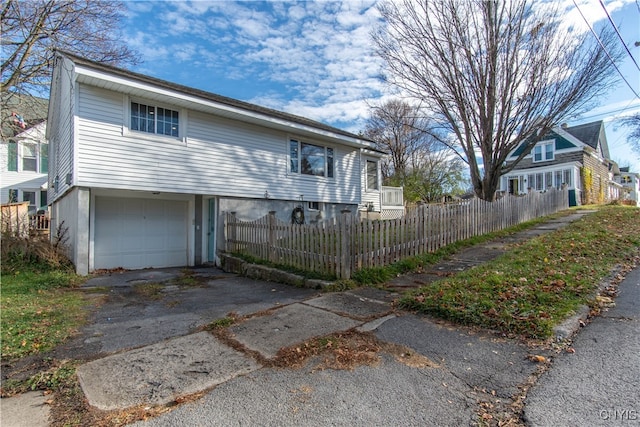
(141, 170)
(23, 168)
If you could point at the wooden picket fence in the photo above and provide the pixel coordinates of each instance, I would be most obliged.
(343, 245)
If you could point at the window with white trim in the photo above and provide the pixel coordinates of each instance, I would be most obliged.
(310, 159)
(30, 157)
(372, 175)
(27, 156)
(543, 152)
(152, 119)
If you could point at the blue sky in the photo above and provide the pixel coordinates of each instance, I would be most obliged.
(315, 58)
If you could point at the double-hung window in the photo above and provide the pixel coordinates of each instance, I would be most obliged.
(543, 151)
(372, 175)
(152, 119)
(26, 156)
(310, 159)
(30, 157)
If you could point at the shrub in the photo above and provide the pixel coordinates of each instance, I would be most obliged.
(35, 252)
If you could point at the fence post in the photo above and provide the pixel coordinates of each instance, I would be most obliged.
(230, 231)
(273, 257)
(345, 245)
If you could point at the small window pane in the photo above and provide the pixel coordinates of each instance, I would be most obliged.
(372, 175)
(30, 196)
(537, 153)
(568, 177)
(13, 195)
(312, 161)
(29, 161)
(558, 180)
(330, 162)
(43, 199)
(548, 179)
(549, 151)
(293, 156)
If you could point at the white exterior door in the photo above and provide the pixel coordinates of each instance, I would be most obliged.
(140, 233)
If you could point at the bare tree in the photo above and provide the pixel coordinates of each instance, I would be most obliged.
(495, 74)
(398, 129)
(32, 29)
(416, 159)
(633, 138)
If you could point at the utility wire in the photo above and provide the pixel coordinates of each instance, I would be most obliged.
(619, 36)
(605, 50)
(606, 113)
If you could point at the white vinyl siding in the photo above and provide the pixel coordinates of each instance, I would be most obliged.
(61, 132)
(216, 156)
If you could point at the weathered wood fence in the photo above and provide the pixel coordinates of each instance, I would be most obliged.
(17, 221)
(343, 245)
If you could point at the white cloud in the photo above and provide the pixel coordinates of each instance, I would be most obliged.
(311, 58)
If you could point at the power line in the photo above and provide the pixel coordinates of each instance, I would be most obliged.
(605, 50)
(617, 110)
(619, 36)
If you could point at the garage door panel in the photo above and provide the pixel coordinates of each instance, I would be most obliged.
(140, 233)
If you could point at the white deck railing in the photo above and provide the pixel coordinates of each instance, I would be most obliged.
(392, 196)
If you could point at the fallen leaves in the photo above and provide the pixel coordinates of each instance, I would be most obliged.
(538, 358)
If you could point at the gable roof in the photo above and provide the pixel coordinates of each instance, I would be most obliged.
(218, 99)
(591, 134)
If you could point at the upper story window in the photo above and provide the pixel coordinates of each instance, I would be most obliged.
(625, 179)
(310, 159)
(543, 151)
(372, 175)
(152, 119)
(27, 157)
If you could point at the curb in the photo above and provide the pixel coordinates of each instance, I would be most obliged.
(231, 264)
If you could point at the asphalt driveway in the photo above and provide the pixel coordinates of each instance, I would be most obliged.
(143, 307)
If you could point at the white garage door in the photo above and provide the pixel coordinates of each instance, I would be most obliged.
(140, 233)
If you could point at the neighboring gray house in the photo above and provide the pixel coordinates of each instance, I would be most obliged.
(141, 170)
(576, 157)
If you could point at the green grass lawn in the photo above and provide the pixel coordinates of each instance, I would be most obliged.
(527, 291)
(40, 309)
(532, 288)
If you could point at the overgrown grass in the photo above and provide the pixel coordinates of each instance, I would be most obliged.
(530, 289)
(38, 310)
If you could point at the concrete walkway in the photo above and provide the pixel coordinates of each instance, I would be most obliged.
(478, 254)
(466, 369)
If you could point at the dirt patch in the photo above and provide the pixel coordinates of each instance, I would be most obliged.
(346, 350)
